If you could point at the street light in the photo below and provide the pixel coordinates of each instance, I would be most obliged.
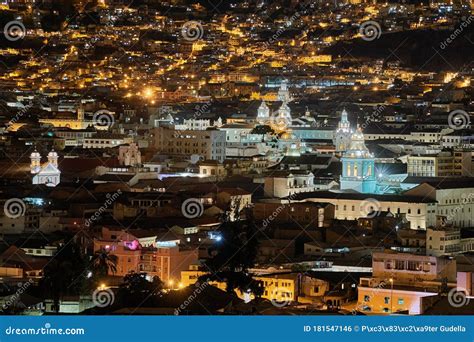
(391, 295)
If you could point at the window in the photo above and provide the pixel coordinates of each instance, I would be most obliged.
(401, 301)
(400, 265)
(413, 265)
(366, 298)
(386, 300)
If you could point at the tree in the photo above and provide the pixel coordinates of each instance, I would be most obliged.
(64, 274)
(102, 263)
(235, 254)
(136, 289)
(263, 129)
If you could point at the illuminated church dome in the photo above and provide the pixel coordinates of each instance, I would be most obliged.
(358, 166)
(357, 148)
(35, 154)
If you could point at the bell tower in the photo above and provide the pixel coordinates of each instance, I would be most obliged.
(358, 166)
(53, 158)
(35, 164)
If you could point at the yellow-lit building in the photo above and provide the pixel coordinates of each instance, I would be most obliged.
(278, 287)
(404, 283)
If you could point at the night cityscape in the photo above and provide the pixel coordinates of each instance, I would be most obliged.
(236, 157)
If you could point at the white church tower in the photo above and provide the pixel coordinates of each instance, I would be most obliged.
(263, 114)
(284, 115)
(343, 134)
(53, 158)
(35, 164)
(283, 92)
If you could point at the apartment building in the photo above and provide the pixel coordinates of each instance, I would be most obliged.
(443, 164)
(208, 144)
(404, 283)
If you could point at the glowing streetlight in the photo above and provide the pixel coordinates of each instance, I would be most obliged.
(148, 92)
(391, 294)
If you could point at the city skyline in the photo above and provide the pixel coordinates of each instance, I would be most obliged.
(242, 158)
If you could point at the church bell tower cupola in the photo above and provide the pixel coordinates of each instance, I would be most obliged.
(343, 134)
(35, 164)
(53, 158)
(358, 166)
(263, 113)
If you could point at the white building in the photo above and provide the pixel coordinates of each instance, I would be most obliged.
(209, 144)
(419, 211)
(263, 114)
(404, 283)
(47, 174)
(130, 155)
(443, 241)
(107, 140)
(343, 134)
(454, 199)
(286, 183)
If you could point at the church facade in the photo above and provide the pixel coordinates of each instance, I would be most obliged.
(47, 174)
(343, 134)
(358, 166)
